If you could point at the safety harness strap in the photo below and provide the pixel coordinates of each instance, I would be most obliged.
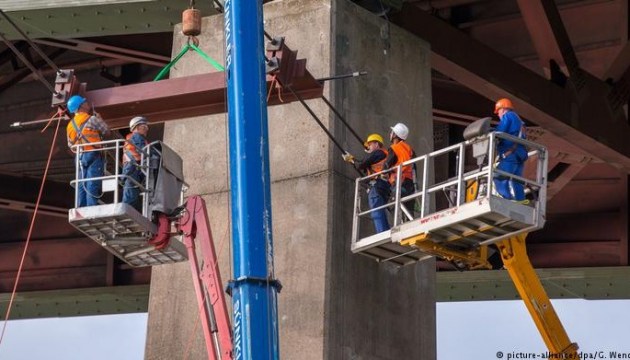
(79, 131)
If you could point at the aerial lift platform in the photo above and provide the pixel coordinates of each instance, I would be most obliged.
(475, 222)
(166, 230)
(120, 228)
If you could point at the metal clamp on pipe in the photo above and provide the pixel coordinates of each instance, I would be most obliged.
(275, 283)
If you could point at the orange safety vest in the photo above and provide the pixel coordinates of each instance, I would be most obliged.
(78, 133)
(131, 151)
(378, 167)
(403, 153)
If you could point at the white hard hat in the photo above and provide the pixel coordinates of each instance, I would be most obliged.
(401, 130)
(137, 121)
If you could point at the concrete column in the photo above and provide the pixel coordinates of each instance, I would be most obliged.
(334, 305)
(376, 311)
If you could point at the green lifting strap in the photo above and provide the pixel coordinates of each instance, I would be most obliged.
(186, 48)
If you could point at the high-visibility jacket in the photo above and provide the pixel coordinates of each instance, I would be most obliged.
(403, 153)
(378, 167)
(79, 133)
(131, 151)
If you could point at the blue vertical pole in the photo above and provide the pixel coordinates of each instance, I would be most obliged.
(254, 291)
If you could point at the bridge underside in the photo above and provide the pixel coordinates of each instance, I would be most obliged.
(573, 94)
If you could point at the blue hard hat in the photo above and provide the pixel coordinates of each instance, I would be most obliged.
(74, 103)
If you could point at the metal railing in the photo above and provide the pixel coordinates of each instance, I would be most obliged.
(425, 195)
(111, 151)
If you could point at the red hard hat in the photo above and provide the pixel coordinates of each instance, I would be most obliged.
(503, 104)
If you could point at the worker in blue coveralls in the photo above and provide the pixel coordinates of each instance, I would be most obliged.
(135, 142)
(379, 190)
(512, 156)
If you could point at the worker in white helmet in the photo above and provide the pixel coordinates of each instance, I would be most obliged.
(399, 152)
(136, 140)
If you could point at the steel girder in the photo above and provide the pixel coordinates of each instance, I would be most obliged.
(183, 97)
(585, 119)
(19, 193)
(548, 34)
(64, 263)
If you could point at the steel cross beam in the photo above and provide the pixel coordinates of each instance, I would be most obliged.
(19, 193)
(552, 43)
(586, 121)
(18, 75)
(184, 97)
(548, 34)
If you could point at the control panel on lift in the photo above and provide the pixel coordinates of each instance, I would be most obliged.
(123, 230)
(460, 214)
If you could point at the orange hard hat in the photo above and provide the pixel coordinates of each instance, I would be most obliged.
(503, 104)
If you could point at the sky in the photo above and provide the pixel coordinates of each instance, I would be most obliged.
(465, 330)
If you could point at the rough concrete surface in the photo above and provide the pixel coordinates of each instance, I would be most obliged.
(377, 311)
(334, 305)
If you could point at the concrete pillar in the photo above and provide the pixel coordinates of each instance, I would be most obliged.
(334, 305)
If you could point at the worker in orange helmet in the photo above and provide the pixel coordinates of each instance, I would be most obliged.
(85, 127)
(399, 152)
(512, 156)
(136, 140)
(379, 191)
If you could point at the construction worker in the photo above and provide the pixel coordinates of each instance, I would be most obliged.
(136, 140)
(87, 127)
(378, 192)
(399, 152)
(512, 156)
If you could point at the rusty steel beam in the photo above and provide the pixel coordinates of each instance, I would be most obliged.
(580, 227)
(183, 97)
(7, 55)
(620, 93)
(49, 265)
(585, 121)
(620, 65)
(579, 254)
(109, 51)
(7, 81)
(20, 193)
(549, 35)
(623, 219)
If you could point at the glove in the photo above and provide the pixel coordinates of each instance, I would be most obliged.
(347, 157)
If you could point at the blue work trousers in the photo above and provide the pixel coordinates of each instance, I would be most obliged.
(91, 167)
(408, 188)
(377, 196)
(131, 191)
(506, 187)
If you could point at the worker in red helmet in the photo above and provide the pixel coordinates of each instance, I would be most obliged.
(512, 156)
(379, 191)
(399, 152)
(86, 127)
(135, 142)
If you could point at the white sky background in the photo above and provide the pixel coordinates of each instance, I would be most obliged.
(478, 330)
(103, 337)
(465, 331)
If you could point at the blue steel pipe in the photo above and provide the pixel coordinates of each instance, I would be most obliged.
(254, 291)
